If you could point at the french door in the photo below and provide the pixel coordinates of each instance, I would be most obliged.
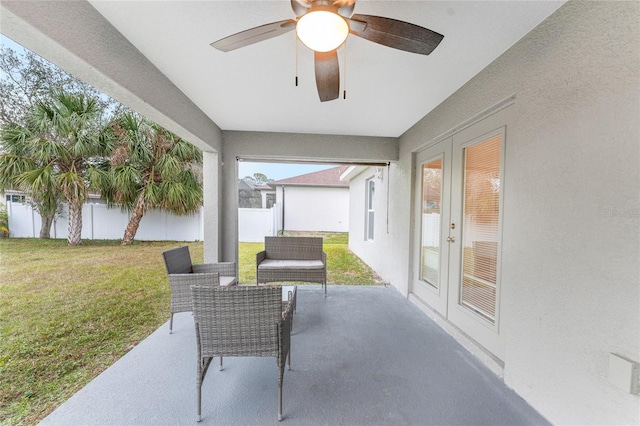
(458, 221)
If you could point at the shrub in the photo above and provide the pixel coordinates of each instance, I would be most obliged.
(4, 222)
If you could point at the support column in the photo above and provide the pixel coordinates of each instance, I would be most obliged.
(229, 208)
(211, 203)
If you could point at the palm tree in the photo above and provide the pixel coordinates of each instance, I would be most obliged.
(151, 168)
(20, 170)
(64, 146)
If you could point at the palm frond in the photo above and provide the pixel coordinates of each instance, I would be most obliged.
(186, 151)
(12, 166)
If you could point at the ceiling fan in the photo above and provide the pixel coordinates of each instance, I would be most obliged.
(323, 26)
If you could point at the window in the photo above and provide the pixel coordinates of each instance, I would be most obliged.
(271, 200)
(16, 198)
(481, 226)
(369, 219)
(431, 222)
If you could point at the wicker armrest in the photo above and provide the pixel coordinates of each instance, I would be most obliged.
(227, 269)
(181, 290)
(324, 258)
(284, 332)
(260, 256)
(187, 280)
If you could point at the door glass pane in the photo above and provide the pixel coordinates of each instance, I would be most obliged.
(480, 227)
(430, 247)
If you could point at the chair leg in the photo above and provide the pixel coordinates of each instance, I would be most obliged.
(171, 323)
(199, 402)
(220, 367)
(280, 380)
(280, 402)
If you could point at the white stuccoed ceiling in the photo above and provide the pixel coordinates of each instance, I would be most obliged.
(253, 88)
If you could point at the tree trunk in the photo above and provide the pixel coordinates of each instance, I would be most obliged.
(75, 224)
(45, 227)
(134, 222)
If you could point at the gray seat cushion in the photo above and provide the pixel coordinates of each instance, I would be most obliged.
(227, 281)
(290, 264)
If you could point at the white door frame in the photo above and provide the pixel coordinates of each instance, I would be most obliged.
(498, 121)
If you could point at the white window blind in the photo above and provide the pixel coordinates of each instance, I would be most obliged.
(480, 227)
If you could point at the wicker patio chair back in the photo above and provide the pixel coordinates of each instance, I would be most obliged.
(240, 321)
(178, 260)
(305, 248)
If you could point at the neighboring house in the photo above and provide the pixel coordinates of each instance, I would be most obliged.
(317, 201)
(249, 197)
(12, 196)
(255, 197)
(268, 195)
(559, 248)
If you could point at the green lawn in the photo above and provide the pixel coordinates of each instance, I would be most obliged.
(67, 313)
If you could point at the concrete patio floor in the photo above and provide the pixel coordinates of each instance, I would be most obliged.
(361, 356)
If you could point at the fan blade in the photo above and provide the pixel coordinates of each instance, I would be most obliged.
(347, 10)
(327, 75)
(356, 27)
(254, 35)
(298, 9)
(398, 34)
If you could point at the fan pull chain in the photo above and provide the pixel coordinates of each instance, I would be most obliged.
(296, 60)
(344, 77)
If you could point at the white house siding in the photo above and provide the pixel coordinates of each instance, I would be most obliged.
(373, 252)
(571, 289)
(323, 209)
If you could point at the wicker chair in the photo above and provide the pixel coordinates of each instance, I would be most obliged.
(183, 274)
(240, 321)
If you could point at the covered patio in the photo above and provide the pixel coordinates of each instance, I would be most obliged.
(363, 355)
(555, 82)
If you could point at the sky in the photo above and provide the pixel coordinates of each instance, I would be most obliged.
(7, 42)
(275, 171)
(278, 171)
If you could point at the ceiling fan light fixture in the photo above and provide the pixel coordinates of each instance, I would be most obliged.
(322, 30)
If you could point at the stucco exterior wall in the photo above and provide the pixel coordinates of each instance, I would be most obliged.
(571, 289)
(373, 252)
(315, 209)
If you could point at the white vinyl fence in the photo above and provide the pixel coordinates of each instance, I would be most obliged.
(102, 223)
(255, 224)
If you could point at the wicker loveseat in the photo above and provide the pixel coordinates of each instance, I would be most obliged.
(297, 259)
